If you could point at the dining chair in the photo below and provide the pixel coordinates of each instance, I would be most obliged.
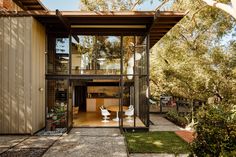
(105, 115)
(129, 113)
(131, 106)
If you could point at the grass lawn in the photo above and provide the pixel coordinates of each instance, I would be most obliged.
(156, 142)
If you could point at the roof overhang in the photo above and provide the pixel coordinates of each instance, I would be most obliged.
(157, 24)
(30, 4)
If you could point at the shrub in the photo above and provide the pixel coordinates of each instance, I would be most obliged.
(176, 118)
(216, 131)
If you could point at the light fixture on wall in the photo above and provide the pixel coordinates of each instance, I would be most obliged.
(41, 89)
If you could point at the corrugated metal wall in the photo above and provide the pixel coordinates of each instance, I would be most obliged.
(22, 70)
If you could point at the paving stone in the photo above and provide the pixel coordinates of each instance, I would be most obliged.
(37, 142)
(8, 141)
(23, 153)
(89, 142)
(162, 124)
(157, 155)
(96, 131)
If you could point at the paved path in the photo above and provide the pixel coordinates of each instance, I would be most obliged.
(82, 142)
(25, 146)
(162, 124)
(158, 155)
(89, 142)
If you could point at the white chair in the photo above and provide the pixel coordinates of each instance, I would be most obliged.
(129, 113)
(105, 114)
(131, 106)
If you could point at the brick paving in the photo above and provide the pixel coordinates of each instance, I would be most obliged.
(187, 136)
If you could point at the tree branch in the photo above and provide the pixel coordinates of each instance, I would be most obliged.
(165, 1)
(135, 4)
(185, 38)
(154, 82)
(194, 14)
(225, 7)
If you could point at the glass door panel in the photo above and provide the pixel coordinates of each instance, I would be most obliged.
(57, 104)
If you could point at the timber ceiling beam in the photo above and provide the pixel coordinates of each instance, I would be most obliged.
(30, 4)
(19, 3)
(63, 20)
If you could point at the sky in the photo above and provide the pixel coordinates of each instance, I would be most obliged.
(74, 5)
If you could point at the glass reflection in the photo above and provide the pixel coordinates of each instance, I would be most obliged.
(62, 55)
(96, 55)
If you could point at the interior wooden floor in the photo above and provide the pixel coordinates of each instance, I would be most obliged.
(94, 119)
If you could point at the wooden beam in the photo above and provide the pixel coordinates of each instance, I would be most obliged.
(20, 4)
(63, 20)
(160, 30)
(157, 37)
(88, 30)
(159, 25)
(158, 34)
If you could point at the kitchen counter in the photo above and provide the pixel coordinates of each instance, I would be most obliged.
(94, 104)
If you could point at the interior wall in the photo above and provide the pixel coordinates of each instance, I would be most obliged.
(21, 73)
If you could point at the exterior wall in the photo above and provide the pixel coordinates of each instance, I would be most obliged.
(9, 5)
(22, 61)
(38, 75)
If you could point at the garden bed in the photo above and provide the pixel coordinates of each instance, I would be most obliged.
(176, 118)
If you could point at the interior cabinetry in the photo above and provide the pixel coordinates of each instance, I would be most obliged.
(103, 92)
(94, 104)
(101, 96)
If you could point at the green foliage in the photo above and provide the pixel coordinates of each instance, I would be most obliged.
(176, 118)
(216, 131)
(193, 60)
(105, 5)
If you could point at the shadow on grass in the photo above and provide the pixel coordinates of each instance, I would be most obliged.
(156, 142)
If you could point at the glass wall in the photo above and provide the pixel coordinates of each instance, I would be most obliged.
(57, 104)
(125, 56)
(135, 86)
(58, 55)
(99, 55)
(143, 100)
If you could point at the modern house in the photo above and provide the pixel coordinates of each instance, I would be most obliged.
(57, 68)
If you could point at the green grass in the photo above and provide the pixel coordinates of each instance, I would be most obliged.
(156, 142)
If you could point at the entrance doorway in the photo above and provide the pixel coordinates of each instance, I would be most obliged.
(90, 95)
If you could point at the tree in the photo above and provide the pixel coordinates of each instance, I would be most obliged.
(190, 60)
(216, 131)
(229, 8)
(113, 5)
